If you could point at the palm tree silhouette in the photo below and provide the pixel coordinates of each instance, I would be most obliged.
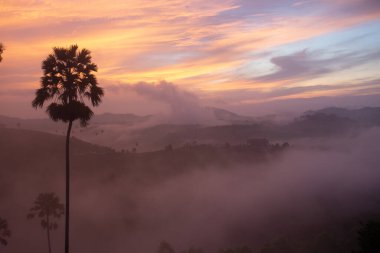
(67, 80)
(48, 208)
(4, 231)
(1, 51)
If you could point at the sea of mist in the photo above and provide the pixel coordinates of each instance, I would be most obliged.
(315, 183)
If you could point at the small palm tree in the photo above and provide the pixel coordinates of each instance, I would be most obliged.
(48, 208)
(4, 231)
(68, 78)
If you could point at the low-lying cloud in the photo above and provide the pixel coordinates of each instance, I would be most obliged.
(317, 182)
(182, 106)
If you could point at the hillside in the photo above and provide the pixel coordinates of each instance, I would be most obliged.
(129, 132)
(256, 193)
(43, 150)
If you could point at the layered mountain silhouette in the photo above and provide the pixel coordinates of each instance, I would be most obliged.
(144, 133)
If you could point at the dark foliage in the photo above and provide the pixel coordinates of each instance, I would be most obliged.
(369, 237)
(4, 231)
(47, 205)
(67, 79)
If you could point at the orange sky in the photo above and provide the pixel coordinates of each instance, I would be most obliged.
(273, 50)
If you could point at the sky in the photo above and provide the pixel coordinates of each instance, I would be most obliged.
(234, 54)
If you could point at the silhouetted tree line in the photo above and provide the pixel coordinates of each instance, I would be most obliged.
(369, 237)
(254, 144)
(368, 241)
(165, 247)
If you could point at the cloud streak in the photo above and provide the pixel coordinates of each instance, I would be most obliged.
(208, 46)
(309, 65)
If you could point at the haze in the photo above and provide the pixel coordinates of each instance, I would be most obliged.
(226, 126)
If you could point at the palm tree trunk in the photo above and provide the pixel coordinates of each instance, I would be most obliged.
(48, 232)
(67, 211)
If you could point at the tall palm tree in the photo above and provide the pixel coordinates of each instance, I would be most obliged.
(1, 51)
(68, 78)
(4, 231)
(47, 207)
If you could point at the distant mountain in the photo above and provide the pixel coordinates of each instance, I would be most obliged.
(111, 118)
(368, 116)
(129, 131)
(320, 125)
(231, 117)
(329, 122)
(123, 131)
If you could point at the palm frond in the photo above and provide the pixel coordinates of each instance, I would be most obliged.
(57, 112)
(42, 95)
(95, 95)
(84, 57)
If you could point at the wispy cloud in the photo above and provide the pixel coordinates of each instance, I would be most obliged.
(205, 45)
(309, 65)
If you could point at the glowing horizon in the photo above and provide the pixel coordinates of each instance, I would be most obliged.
(277, 51)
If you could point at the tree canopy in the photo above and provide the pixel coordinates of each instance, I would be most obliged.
(68, 78)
